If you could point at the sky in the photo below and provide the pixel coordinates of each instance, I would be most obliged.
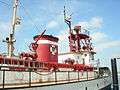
(100, 17)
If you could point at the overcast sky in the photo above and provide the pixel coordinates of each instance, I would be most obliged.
(100, 17)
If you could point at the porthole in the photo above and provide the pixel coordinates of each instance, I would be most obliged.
(85, 55)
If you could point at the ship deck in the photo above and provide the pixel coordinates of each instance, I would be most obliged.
(42, 84)
(22, 79)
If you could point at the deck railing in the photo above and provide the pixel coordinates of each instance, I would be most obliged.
(25, 73)
(14, 79)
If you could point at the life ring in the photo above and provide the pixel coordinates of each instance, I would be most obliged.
(53, 49)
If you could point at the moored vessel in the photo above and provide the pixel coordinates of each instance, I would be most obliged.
(45, 69)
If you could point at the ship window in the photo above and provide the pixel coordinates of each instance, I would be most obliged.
(85, 55)
(97, 85)
(77, 62)
(83, 61)
(82, 73)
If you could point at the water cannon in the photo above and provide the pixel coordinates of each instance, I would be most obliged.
(33, 46)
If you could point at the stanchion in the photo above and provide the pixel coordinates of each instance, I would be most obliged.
(3, 78)
(55, 76)
(68, 75)
(29, 78)
(87, 74)
(78, 76)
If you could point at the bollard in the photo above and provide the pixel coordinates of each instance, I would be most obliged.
(114, 74)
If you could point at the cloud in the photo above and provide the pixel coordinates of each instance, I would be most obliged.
(116, 54)
(103, 41)
(95, 22)
(4, 29)
(63, 35)
(99, 37)
(63, 41)
(107, 45)
(52, 24)
(4, 26)
(111, 44)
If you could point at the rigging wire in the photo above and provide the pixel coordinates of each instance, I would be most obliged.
(4, 3)
(69, 4)
(29, 16)
(9, 6)
(26, 11)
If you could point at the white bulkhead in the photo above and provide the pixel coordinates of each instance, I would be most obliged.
(80, 58)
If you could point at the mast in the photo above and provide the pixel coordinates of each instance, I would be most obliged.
(68, 22)
(12, 31)
(10, 40)
(78, 40)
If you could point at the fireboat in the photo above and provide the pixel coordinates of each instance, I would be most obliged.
(43, 68)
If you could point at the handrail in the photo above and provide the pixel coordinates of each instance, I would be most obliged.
(19, 63)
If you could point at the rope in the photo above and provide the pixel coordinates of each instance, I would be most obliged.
(44, 74)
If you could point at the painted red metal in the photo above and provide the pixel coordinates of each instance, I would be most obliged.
(47, 50)
(28, 56)
(45, 56)
(24, 65)
(79, 40)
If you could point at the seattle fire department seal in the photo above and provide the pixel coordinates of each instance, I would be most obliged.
(53, 49)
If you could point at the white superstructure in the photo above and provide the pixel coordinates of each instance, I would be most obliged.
(84, 57)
